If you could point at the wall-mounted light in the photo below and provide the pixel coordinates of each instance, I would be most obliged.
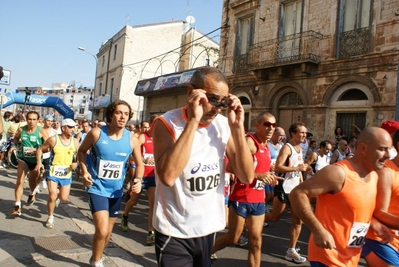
(262, 18)
(256, 90)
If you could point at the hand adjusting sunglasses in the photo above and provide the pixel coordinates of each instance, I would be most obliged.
(223, 103)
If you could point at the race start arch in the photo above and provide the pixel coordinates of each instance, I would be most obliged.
(40, 101)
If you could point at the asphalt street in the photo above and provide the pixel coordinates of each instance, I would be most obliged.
(25, 241)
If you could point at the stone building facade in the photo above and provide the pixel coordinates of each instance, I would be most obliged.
(142, 52)
(326, 63)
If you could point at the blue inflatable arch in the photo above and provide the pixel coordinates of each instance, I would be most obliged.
(40, 101)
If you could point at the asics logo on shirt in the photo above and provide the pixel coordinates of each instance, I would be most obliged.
(104, 142)
(111, 165)
(205, 167)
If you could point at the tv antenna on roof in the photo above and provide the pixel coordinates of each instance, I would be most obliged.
(190, 19)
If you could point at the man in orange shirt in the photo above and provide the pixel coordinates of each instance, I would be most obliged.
(346, 200)
(377, 251)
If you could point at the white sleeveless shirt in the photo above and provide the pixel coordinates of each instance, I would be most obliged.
(292, 179)
(194, 205)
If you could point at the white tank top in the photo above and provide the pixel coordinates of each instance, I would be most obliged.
(321, 162)
(293, 179)
(48, 154)
(194, 205)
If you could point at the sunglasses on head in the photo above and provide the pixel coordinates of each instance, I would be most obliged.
(269, 124)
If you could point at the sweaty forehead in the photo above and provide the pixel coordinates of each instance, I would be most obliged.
(216, 88)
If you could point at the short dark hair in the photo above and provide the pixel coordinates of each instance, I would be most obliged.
(199, 76)
(109, 111)
(7, 114)
(32, 112)
(312, 142)
(141, 124)
(17, 118)
(294, 127)
(324, 143)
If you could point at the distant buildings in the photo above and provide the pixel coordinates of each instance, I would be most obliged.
(141, 52)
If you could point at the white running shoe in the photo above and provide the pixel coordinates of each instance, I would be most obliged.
(294, 257)
(50, 223)
(44, 183)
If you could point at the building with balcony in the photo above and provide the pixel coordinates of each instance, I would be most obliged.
(326, 63)
(143, 52)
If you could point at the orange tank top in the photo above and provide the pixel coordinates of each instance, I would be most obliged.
(346, 215)
(393, 206)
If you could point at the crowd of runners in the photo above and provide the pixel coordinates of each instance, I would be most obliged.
(345, 190)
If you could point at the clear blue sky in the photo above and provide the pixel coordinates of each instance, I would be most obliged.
(40, 38)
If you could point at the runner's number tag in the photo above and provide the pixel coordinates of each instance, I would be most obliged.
(358, 235)
(110, 169)
(62, 172)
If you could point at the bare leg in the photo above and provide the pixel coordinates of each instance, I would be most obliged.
(236, 226)
(103, 227)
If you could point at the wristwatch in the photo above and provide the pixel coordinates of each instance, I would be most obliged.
(139, 178)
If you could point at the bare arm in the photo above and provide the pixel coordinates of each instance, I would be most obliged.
(171, 156)
(88, 143)
(312, 158)
(384, 194)
(238, 152)
(139, 172)
(329, 180)
(282, 157)
(43, 134)
(334, 157)
(17, 136)
(46, 147)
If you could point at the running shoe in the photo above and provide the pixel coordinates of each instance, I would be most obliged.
(100, 263)
(31, 200)
(50, 223)
(294, 256)
(44, 183)
(57, 202)
(150, 238)
(16, 211)
(124, 223)
(242, 241)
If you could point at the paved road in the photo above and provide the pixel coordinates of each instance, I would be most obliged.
(25, 241)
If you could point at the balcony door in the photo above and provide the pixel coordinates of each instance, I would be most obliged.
(290, 25)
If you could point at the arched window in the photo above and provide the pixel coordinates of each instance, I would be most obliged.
(244, 100)
(353, 94)
(291, 99)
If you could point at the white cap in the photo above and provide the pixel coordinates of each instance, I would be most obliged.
(101, 123)
(68, 122)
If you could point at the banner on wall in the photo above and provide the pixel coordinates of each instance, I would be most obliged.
(163, 83)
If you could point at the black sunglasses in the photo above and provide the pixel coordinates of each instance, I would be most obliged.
(223, 103)
(269, 124)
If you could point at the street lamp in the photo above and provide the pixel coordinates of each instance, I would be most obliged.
(95, 79)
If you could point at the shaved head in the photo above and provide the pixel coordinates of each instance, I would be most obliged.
(373, 135)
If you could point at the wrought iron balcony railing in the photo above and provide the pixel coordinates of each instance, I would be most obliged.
(291, 49)
(354, 43)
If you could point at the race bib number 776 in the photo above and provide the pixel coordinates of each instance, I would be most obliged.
(110, 169)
